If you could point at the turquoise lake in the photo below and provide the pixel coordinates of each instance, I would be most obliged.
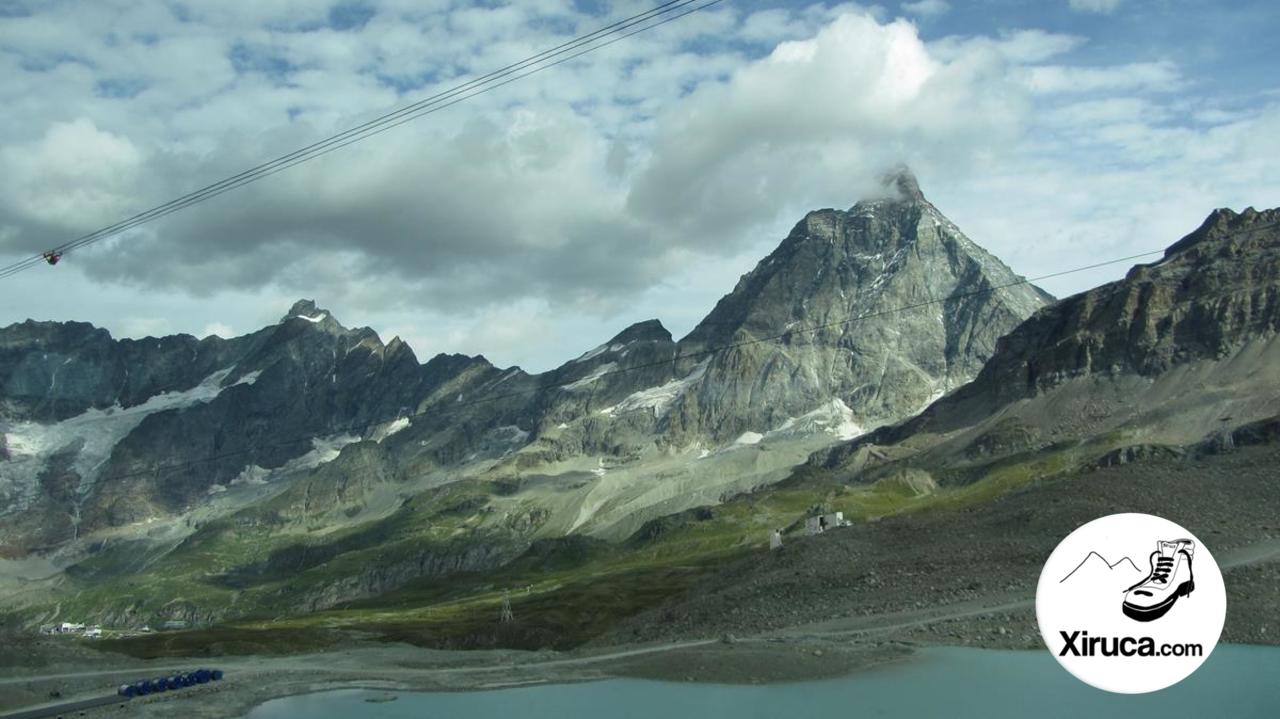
(1235, 682)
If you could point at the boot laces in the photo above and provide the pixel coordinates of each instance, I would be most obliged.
(1164, 565)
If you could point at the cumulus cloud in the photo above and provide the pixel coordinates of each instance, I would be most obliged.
(636, 182)
(577, 190)
(75, 175)
(814, 122)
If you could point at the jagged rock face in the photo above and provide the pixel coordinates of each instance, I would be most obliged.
(50, 371)
(138, 412)
(1179, 349)
(297, 398)
(307, 377)
(1212, 290)
(904, 305)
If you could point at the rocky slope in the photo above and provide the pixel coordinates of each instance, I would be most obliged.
(883, 307)
(124, 455)
(1178, 352)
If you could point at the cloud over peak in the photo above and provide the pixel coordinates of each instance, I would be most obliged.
(643, 178)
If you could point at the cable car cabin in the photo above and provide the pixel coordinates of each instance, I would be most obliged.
(52, 257)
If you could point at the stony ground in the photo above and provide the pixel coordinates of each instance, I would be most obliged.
(991, 555)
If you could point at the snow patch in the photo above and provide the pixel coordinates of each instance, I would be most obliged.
(97, 431)
(253, 474)
(660, 398)
(249, 378)
(834, 418)
(323, 451)
(313, 320)
(596, 374)
(510, 373)
(747, 438)
(390, 428)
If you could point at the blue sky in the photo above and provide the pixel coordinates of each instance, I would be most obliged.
(534, 222)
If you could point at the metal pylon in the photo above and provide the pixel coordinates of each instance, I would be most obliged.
(507, 616)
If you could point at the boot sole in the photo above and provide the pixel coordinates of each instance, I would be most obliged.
(1152, 613)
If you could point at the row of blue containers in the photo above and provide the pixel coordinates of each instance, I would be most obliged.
(164, 684)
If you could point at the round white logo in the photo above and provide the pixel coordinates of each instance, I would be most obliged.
(1131, 603)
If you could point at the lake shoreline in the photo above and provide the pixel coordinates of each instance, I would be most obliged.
(253, 681)
(765, 661)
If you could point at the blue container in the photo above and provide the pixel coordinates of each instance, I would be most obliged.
(216, 675)
(202, 676)
(143, 687)
(127, 690)
(160, 684)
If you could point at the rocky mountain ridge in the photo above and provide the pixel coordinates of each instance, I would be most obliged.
(1177, 352)
(307, 428)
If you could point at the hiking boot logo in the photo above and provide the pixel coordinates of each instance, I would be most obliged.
(1124, 618)
(1171, 577)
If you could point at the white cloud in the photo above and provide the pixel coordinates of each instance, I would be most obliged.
(534, 222)
(1096, 7)
(146, 326)
(75, 175)
(1023, 46)
(813, 123)
(1160, 76)
(217, 329)
(543, 191)
(927, 8)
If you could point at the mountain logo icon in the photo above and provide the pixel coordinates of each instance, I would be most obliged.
(1122, 565)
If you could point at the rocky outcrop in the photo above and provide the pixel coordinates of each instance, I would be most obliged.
(1177, 349)
(50, 371)
(1212, 290)
(374, 580)
(885, 307)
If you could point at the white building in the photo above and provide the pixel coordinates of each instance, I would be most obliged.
(822, 522)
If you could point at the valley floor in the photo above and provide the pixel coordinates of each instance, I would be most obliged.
(823, 606)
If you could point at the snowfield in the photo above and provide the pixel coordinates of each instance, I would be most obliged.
(660, 398)
(95, 431)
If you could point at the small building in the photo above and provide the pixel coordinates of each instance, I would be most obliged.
(820, 523)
